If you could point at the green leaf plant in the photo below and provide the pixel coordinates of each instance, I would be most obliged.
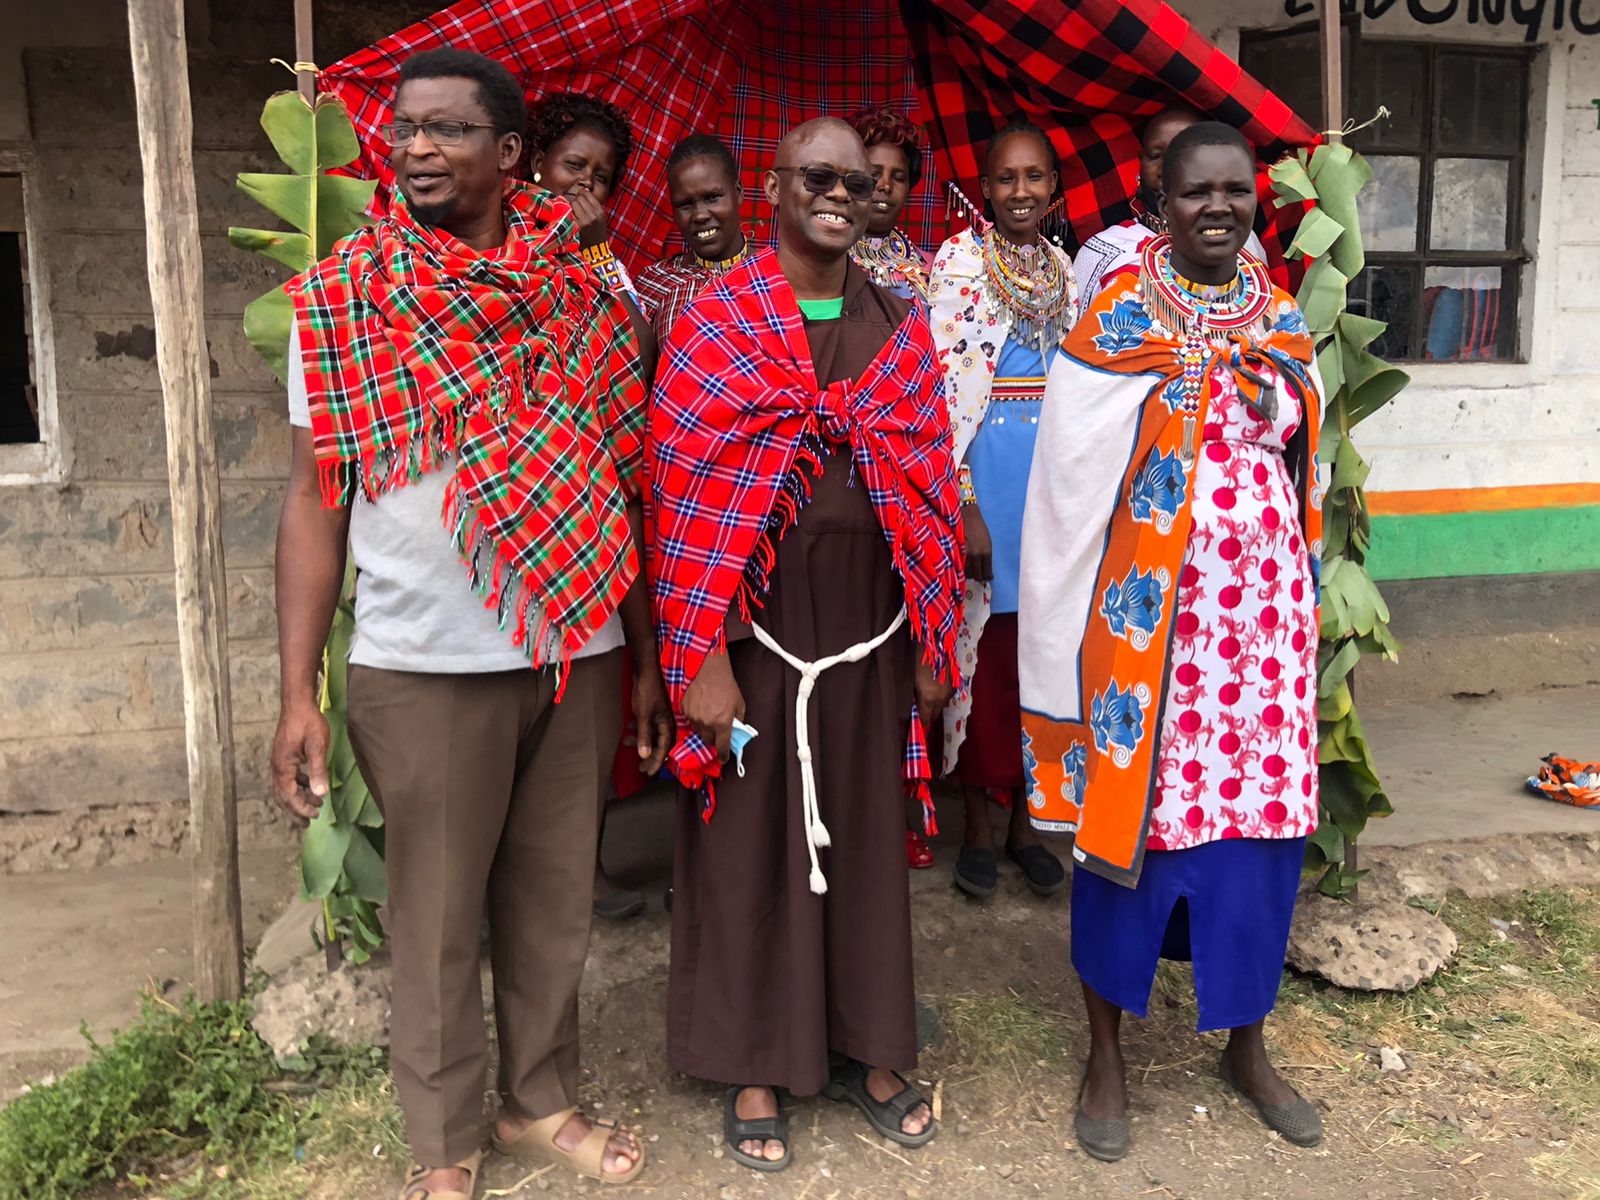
(321, 208)
(1354, 618)
(341, 853)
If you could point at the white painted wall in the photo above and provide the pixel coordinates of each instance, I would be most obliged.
(1463, 425)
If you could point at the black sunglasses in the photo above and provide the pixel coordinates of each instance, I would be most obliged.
(819, 181)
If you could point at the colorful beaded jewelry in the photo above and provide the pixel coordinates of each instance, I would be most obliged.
(1033, 287)
(727, 263)
(969, 494)
(1196, 314)
(890, 259)
(607, 267)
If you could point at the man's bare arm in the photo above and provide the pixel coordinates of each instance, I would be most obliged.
(310, 571)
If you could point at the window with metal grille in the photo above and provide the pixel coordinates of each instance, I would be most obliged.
(19, 398)
(1442, 218)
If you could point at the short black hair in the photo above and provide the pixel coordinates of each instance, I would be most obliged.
(498, 90)
(704, 145)
(1021, 125)
(1206, 133)
(560, 113)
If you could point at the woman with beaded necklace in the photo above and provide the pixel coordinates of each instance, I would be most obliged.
(885, 253)
(1001, 298)
(1168, 629)
(704, 191)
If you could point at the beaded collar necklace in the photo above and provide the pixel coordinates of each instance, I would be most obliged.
(1032, 285)
(890, 259)
(719, 266)
(1195, 314)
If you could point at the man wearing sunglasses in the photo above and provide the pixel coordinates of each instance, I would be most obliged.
(455, 357)
(808, 555)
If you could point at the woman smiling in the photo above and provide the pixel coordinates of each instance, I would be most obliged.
(885, 253)
(703, 186)
(1000, 299)
(1168, 629)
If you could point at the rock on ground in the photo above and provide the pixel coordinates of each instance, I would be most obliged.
(349, 1005)
(289, 938)
(1375, 945)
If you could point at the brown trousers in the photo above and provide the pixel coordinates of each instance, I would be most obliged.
(491, 796)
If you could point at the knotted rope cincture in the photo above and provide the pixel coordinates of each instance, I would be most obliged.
(811, 813)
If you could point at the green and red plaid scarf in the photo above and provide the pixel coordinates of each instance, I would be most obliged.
(513, 363)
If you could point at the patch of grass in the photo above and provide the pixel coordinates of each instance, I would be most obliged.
(1575, 1169)
(189, 1100)
(1519, 1001)
(1002, 1031)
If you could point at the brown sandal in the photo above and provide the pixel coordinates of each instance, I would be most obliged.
(537, 1143)
(413, 1190)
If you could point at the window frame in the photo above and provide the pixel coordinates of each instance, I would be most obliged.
(1515, 257)
(43, 461)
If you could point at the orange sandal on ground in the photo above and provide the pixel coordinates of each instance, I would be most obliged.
(537, 1143)
(412, 1189)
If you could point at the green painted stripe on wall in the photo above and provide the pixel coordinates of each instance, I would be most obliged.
(1522, 541)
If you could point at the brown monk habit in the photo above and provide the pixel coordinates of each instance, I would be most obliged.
(768, 977)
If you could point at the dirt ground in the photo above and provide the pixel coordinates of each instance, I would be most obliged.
(1469, 1118)
(1502, 1052)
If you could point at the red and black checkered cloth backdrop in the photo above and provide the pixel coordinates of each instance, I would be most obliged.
(1087, 71)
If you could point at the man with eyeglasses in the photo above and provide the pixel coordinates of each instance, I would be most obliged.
(457, 359)
(808, 577)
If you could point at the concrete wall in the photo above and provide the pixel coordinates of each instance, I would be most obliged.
(91, 714)
(1494, 468)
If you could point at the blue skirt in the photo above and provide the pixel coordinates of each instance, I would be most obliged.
(1225, 906)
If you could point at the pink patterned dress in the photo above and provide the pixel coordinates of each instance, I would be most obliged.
(1238, 736)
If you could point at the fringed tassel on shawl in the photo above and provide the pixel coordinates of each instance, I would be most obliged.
(506, 590)
(918, 770)
(793, 495)
(434, 438)
(938, 652)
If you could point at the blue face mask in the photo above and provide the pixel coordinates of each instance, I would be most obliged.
(739, 739)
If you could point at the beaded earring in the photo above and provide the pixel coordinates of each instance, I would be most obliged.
(957, 204)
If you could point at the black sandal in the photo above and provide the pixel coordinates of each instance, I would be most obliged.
(1043, 870)
(736, 1129)
(1105, 1138)
(849, 1083)
(1299, 1122)
(976, 872)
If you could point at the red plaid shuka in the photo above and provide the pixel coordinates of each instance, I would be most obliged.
(738, 428)
(515, 364)
(1090, 72)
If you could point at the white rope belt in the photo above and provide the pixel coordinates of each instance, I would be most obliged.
(811, 813)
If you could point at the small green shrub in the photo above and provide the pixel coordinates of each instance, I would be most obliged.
(183, 1079)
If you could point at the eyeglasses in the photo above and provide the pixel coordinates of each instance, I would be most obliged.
(440, 133)
(819, 181)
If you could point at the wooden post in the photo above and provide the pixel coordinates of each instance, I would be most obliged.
(1332, 70)
(1333, 122)
(172, 237)
(304, 50)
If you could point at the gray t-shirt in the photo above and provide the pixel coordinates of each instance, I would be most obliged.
(415, 609)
